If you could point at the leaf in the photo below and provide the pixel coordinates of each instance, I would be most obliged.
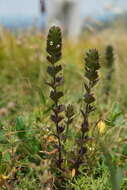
(53, 70)
(42, 96)
(91, 75)
(69, 111)
(59, 80)
(89, 98)
(7, 156)
(115, 115)
(116, 112)
(119, 177)
(32, 145)
(92, 59)
(56, 119)
(87, 87)
(3, 139)
(60, 129)
(55, 96)
(48, 109)
(59, 108)
(58, 68)
(20, 128)
(115, 172)
(124, 152)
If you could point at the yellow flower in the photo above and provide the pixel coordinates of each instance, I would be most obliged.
(73, 172)
(3, 179)
(101, 127)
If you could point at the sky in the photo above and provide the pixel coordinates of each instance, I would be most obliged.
(19, 8)
(31, 7)
(18, 12)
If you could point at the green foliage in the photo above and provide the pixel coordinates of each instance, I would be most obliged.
(115, 172)
(36, 129)
(0, 157)
(42, 97)
(20, 128)
(114, 115)
(90, 182)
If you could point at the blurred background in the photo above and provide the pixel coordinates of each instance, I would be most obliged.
(22, 44)
(24, 14)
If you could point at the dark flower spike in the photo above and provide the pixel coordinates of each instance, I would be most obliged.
(69, 111)
(54, 46)
(109, 56)
(91, 73)
(109, 65)
(92, 60)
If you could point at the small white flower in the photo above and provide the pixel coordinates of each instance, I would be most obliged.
(58, 46)
(51, 43)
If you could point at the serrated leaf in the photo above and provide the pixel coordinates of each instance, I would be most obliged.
(53, 70)
(56, 95)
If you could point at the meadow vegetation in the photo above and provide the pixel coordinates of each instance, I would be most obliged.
(48, 138)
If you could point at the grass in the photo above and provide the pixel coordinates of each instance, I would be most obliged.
(25, 111)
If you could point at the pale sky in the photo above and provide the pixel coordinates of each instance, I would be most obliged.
(19, 8)
(31, 7)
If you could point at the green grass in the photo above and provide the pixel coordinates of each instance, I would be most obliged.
(25, 106)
